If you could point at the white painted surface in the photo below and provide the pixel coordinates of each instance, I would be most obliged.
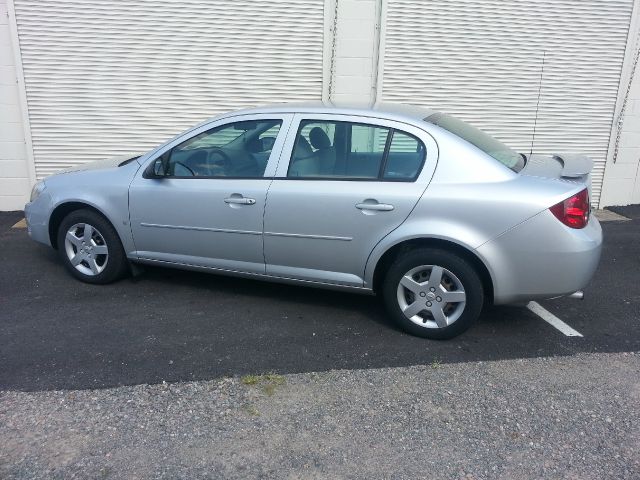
(480, 60)
(552, 320)
(122, 76)
(622, 179)
(106, 78)
(14, 172)
(356, 51)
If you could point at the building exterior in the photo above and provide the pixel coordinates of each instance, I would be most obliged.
(80, 81)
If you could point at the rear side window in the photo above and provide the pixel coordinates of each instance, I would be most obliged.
(405, 157)
(354, 151)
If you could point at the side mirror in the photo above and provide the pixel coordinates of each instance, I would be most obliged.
(158, 168)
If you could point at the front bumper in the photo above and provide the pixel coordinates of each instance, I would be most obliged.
(36, 214)
(542, 258)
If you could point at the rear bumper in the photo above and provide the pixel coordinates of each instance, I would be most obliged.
(542, 258)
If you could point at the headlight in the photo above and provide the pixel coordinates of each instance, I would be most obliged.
(37, 189)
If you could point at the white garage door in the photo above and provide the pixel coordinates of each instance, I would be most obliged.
(480, 60)
(106, 78)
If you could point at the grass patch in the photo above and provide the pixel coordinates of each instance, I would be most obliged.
(274, 378)
(250, 379)
(268, 381)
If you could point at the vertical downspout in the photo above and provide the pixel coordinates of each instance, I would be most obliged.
(329, 49)
(378, 52)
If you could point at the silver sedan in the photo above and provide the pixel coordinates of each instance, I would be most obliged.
(421, 208)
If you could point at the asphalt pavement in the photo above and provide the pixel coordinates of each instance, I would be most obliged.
(170, 325)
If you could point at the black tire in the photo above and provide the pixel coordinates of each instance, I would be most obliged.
(116, 264)
(459, 267)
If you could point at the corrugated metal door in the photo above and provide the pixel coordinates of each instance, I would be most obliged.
(110, 77)
(480, 60)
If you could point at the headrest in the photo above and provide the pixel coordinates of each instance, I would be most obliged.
(319, 139)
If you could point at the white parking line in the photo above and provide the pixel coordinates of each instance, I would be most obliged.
(552, 320)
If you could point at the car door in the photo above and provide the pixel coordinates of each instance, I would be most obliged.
(200, 200)
(342, 184)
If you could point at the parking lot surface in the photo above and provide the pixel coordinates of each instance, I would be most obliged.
(574, 417)
(169, 325)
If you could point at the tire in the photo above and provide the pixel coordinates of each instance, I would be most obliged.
(98, 260)
(423, 298)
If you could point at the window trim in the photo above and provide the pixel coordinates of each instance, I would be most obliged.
(383, 163)
(385, 153)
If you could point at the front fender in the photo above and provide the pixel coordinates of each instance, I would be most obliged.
(107, 191)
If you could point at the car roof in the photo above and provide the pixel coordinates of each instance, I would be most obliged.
(392, 111)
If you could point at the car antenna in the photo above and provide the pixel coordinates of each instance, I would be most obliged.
(535, 121)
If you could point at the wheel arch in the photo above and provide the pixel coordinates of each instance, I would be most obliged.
(62, 210)
(387, 258)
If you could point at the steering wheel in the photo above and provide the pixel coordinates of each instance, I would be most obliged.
(182, 165)
(225, 162)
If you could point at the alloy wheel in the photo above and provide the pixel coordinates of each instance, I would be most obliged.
(431, 296)
(86, 249)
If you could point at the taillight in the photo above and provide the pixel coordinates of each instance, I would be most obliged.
(574, 211)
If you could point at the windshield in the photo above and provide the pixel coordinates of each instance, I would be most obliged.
(489, 145)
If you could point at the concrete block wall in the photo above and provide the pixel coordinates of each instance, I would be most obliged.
(15, 178)
(15, 182)
(622, 179)
(356, 51)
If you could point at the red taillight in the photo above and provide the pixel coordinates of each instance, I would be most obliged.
(574, 211)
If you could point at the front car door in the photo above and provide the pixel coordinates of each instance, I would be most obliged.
(342, 184)
(206, 206)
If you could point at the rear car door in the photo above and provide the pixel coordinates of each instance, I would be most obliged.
(342, 184)
(207, 206)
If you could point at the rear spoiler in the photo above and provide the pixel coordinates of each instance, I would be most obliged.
(574, 165)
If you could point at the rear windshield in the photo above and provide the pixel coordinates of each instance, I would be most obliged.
(489, 145)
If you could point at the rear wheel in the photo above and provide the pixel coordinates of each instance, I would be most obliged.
(433, 293)
(90, 248)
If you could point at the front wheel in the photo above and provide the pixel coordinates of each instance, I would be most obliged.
(433, 293)
(90, 248)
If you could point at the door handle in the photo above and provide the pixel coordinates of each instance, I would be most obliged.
(378, 207)
(240, 200)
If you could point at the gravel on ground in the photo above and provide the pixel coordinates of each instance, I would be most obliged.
(575, 417)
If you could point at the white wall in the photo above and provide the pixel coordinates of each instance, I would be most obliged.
(354, 80)
(356, 51)
(622, 179)
(15, 182)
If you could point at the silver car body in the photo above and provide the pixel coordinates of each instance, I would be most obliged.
(310, 231)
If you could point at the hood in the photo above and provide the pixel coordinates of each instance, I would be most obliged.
(103, 164)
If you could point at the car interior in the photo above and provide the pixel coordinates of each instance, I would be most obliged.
(323, 149)
(349, 150)
(238, 150)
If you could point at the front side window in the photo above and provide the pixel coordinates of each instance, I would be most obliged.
(239, 149)
(345, 150)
